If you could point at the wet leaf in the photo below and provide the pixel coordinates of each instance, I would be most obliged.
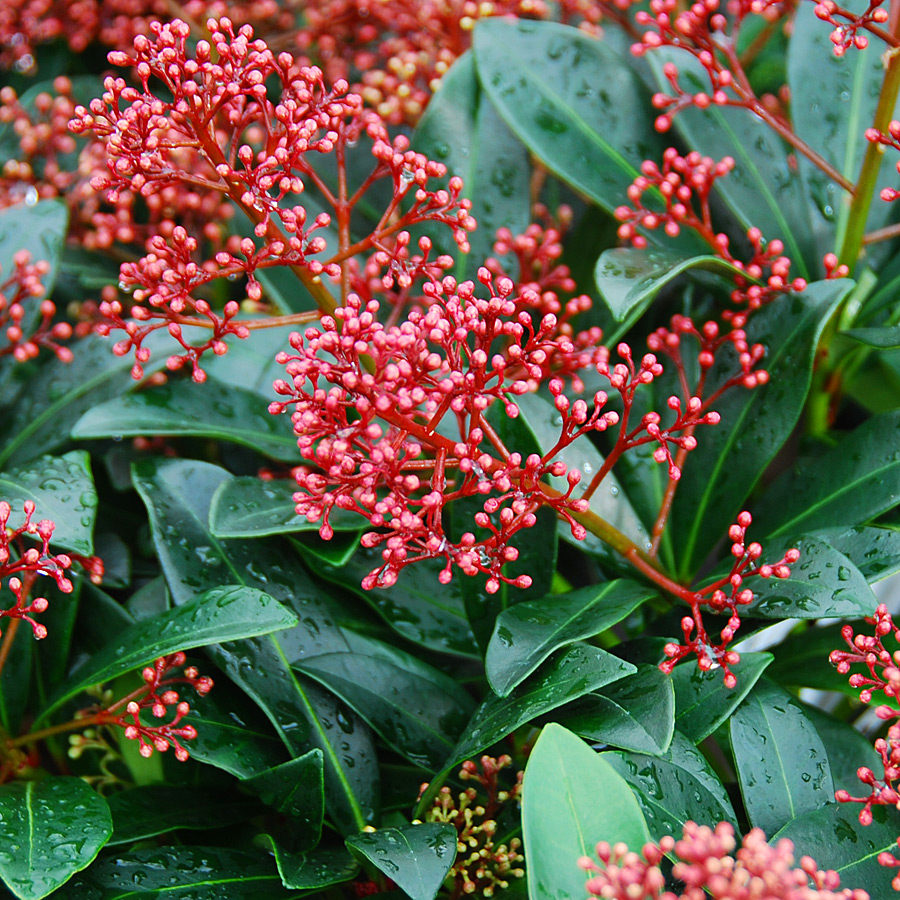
(846, 747)
(527, 633)
(62, 490)
(703, 703)
(51, 829)
(781, 761)
(874, 551)
(674, 788)
(416, 857)
(320, 868)
(219, 614)
(572, 798)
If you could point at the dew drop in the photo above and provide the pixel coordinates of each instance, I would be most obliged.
(31, 195)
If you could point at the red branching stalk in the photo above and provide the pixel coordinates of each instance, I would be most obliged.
(709, 863)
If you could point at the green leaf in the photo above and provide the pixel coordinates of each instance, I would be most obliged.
(754, 424)
(635, 713)
(885, 338)
(295, 789)
(847, 485)
(182, 408)
(846, 748)
(822, 583)
(462, 130)
(62, 490)
(182, 873)
(628, 278)
(874, 551)
(416, 857)
(418, 607)
(703, 703)
(833, 101)
(570, 674)
(232, 733)
(177, 494)
(50, 830)
(320, 868)
(572, 799)
(219, 614)
(833, 837)
(417, 710)
(781, 761)
(144, 812)
(16, 683)
(527, 633)
(574, 102)
(675, 788)
(248, 507)
(762, 191)
(610, 502)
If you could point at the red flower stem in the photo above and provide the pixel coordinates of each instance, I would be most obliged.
(342, 211)
(8, 639)
(665, 507)
(98, 718)
(881, 234)
(640, 562)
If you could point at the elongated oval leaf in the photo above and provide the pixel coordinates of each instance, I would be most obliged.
(635, 713)
(416, 857)
(848, 485)
(572, 673)
(62, 490)
(874, 551)
(461, 129)
(703, 703)
(50, 830)
(563, 817)
(833, 837)
(317, 869)
(781, 761)
(180, 407)
(886, 338)
(754, 424)
(527, 633)
(219, 614)
(678, 787)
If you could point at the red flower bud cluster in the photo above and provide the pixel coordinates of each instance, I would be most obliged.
(847, 25)
(25, 563)
(685, 183)
(707, 865)
(161, 700)
(725, 595)
(891, 139)
(27, 329)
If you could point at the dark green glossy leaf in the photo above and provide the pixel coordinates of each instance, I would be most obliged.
(570, 674)
(762, 191)
(232, 733)
(572, 100)
(183, 408)
(833, 101)
(295, 789)
(15, 680)
(177, 494)
(886, 338)
(416, 857)
(572, 799)
(833, 837)
(635, 713)
(846, 747)
(249, 507)
(50, 830)
(822, 583)
(418, 607)
(182, 873)
(781, 761)
(754, 424)
(320, 868)
(144, 812)
(847, 485)
(462, 130)
(628, 278)
(219, 614)
(874, 551)
(703, 703)
(675, 788)
(417, 710)
(802, 659)
(62, 490)
(527, 633)
(609, 502)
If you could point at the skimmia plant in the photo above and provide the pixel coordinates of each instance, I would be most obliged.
(448, 449)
